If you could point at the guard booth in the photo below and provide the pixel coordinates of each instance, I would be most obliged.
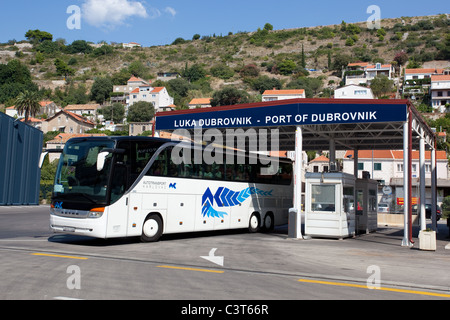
(330, 204)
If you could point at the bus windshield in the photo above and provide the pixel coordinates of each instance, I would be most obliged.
(77, 177)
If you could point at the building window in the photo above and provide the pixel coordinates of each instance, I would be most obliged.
(439, 93)
(400, 167)
(360, 166)
(414, 168)
(428, 168)
(377, 166)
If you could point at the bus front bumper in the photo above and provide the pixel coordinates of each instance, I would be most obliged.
(85, 226)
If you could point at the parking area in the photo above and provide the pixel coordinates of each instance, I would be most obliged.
(28, 246)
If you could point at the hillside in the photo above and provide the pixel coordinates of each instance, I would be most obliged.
(225, 59)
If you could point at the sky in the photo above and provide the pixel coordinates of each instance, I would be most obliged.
(160, 22)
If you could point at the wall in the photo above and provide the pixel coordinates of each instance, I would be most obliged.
(21, 147)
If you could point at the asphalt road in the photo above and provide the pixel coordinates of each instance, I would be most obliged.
(39, 265)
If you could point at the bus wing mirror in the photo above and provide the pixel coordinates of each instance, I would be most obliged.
(101, 160)
(42, 158)
(45, 153)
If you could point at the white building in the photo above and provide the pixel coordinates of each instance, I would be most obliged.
(353, 91)
(440, 92)
(158, 96)
(386, 166)
(417, 74)
(275, 95)
(199, 103)
(131, 45)
(362, 72)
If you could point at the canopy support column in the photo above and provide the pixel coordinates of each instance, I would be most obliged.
(406, 178)
(433, 189)
(423, 222)
(295, 214)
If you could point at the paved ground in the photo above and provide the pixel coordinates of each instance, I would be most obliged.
(256, 266)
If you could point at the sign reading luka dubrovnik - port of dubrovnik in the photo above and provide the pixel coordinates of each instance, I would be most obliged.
(284, 115)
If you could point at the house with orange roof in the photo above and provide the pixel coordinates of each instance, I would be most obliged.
(200, 103)
(386, 166)
(417, 82)
(47, 108)
(120, 92)
(86, 110)
(67, 122)
(378, 69)
(440, 92)
(421, 73)
(363, 72)
(158, 96)
(276, 95)
(319, 164)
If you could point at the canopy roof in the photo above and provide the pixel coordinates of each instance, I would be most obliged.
(353, 124)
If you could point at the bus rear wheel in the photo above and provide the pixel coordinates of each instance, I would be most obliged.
(269, 222)
(152, 228)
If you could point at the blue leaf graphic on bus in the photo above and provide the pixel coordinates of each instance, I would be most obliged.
(225, 197)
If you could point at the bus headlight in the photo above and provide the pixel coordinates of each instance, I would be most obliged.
(96, 212)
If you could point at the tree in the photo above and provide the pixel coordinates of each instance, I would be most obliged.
(28, 102)
(303, 57)
(101, 89)
(249, 70)
(444, 49)
(268, 27)
(341, 61)
(401, 58)
(381, 86)
(79, 46)
(62, 69)
(178, 41)
(141, 112)
(15, 78)
(229, 96)
(138, 69)
(37, 36)
(194, 73)
(264, 83)
(286, 67)
(114, 112)
(222, 71)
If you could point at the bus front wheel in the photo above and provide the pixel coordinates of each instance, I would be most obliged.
(253, 225)
(152, 228)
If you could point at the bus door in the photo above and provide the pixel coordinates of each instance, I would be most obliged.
(140, 153)
(117, 214)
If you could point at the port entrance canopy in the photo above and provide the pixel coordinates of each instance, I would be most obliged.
(351, 124)
(323, 124)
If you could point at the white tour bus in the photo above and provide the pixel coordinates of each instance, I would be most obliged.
(109, 187)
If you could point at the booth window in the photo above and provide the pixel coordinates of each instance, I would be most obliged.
(323, 197)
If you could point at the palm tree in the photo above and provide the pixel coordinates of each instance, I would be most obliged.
(28, 102)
